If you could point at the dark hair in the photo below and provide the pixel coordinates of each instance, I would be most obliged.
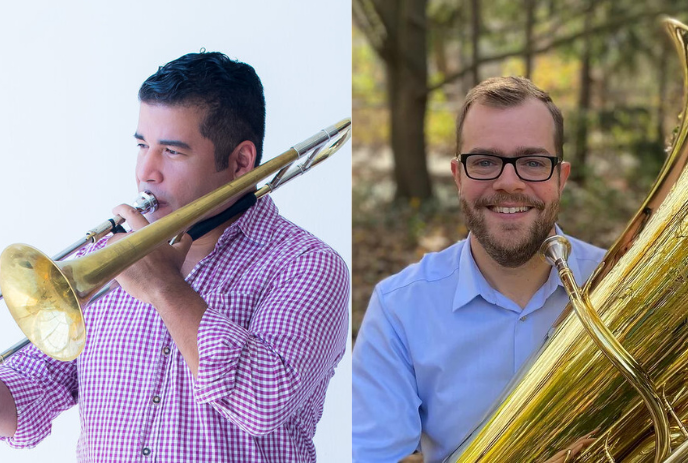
(507, 92)
(228, 90)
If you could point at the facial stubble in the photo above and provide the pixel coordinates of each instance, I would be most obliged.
(515, 252)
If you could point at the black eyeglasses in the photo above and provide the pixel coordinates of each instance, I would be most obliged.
(531, 168)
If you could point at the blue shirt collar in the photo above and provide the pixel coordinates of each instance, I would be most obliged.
(471, 283)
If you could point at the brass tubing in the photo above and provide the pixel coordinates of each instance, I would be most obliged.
(13, 350)
(680, 455)
(640, 291)
(145, 202)
(610, 346)
(46, 297)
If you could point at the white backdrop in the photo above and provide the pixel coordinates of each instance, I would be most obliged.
(69, 76)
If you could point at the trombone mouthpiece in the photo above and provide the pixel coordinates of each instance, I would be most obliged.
(556, 250)
(145, 202)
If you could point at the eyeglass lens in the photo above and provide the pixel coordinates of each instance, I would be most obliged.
(485, 166)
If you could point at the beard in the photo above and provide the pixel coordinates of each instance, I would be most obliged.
(518, 245)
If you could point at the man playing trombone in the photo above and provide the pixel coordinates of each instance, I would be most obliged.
(218, 349)
(442, 339)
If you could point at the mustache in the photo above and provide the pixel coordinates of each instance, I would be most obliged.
(500, 198)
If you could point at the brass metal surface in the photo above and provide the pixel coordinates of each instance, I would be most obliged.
(46, 297)
(43, 304)
(605, 341)
(640, 291)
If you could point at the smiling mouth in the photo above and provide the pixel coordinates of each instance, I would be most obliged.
(509, 210)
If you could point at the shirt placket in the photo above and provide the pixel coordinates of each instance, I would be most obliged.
(152, 439)
(152, 426)
(523, 340)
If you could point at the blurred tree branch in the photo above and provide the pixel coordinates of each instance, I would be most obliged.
(606, 27)
(468, 36)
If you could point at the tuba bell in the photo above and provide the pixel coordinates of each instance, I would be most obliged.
(569, 388)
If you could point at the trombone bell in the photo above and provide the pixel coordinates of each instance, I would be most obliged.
(42, 302)
(45, 297)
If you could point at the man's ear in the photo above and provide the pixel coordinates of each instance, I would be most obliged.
(243, 158)
(564, 171)
(456, 173)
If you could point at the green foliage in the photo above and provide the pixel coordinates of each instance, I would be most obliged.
(369, 94)
(368, 86)
(599, 212)
(440, 124)
(625, 149)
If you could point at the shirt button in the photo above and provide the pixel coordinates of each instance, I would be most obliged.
(156, 399)
(523, 318)
(166, 350)
(145, 451)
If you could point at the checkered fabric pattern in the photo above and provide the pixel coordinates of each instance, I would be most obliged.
(275, 328)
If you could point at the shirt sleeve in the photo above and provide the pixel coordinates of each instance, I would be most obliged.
(42, 388)
(258, 377)
(386, 420)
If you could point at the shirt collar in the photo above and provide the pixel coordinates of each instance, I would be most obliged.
(572, 261)
(472, 283)
(257, 223)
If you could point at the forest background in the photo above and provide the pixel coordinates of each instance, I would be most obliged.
(609, 66)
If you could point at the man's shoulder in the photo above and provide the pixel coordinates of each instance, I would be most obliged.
(292, 237)
(266, 226)
(587, 257)
(586, 251)
(433, 268)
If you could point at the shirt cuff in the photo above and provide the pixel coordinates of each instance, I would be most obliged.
(32, 424)
(219, 342)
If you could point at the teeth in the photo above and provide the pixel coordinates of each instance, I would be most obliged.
(510, 210)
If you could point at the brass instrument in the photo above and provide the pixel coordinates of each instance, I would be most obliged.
(45, 297)
(145, 203)
(640, 291)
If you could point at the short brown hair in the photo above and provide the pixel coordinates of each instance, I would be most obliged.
(507, 92)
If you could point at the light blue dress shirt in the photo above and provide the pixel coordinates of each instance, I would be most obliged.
(437, 347)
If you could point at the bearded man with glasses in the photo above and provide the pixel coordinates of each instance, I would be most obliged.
(442, 339)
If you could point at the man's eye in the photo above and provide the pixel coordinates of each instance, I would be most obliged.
(533, 163)
(171, 151)
(141, 146)
(483, 162)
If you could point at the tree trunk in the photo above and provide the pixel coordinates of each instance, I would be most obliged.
(578, 172)
(407, 77)
(475, 40)
(530, 23)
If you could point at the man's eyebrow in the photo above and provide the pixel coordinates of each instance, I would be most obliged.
(526, 150)
(485, 151)
(175, 143)
(519, 151)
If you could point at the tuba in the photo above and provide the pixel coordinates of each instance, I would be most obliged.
(640, 291)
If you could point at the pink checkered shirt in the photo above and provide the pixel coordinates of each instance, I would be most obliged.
(275, 329)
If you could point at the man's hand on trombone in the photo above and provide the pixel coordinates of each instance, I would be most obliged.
(158, 279)
(158, 271)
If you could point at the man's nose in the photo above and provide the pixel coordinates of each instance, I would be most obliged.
(148, 167)
(509, 181)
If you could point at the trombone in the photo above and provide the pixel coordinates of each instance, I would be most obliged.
(45, 296)
(145, 203)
